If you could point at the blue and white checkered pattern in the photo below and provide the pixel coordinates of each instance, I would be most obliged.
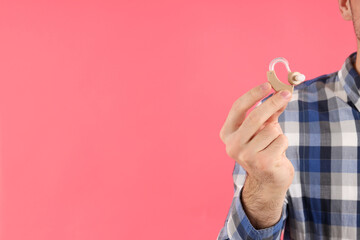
(322, 123)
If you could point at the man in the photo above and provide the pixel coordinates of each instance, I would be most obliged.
(297, 156)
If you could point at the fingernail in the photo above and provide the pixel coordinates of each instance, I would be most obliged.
(285, 94)
(265, 86)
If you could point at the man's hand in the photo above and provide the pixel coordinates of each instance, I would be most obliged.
(258, 144)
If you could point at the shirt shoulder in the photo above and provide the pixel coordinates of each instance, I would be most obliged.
(308, 93)
(314, 91)
(316, 83)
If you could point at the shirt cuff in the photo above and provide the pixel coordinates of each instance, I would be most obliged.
(239, 226)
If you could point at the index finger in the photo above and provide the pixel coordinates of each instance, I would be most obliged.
(239, 108)
(262, 113)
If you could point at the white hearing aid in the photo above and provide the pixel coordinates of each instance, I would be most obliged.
(294, 78)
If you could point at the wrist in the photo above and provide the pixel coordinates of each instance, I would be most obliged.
(262, 207)
(263, 190)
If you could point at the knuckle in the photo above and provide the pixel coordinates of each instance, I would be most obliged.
(246, 157)
(243, 155)
(274, 127)
(231, 151)
(253, 93)
(237, 106)
(253, 117)
(278, 127)
(274, 103)
(291, 170)
(273, 134)
(290, 167)
(283, 140)
(271, 131)
(277, 124)
(221, 135)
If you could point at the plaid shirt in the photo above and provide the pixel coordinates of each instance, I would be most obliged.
(322, 123)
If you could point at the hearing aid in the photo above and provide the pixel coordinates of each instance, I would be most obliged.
(294, 78)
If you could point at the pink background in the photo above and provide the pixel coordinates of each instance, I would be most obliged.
(110, 111)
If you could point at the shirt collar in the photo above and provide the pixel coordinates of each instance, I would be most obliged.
(350, 81)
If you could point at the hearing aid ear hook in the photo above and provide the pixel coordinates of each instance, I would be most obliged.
(294, 78)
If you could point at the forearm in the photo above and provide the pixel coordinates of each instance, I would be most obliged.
(263, 206)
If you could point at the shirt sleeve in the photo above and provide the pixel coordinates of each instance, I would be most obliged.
(237, 225)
